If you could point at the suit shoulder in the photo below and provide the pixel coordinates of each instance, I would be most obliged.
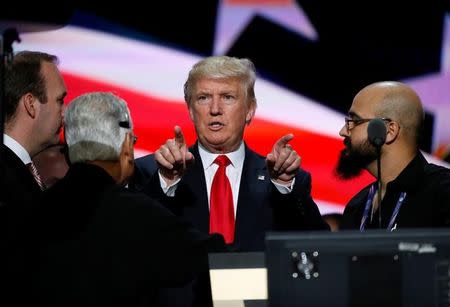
(251, 154)
(438, 177)
(130, 197)
(147, 161)
(145, 168)
(304, 174)
(439, 171)
(137, 202)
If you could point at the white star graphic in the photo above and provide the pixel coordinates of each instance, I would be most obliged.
(434, 91)
(234, 15)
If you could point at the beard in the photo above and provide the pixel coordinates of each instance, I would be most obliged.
(353, 159)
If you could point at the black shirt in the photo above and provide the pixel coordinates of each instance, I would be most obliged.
(427, 202)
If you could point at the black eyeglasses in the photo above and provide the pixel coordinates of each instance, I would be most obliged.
(351, 123)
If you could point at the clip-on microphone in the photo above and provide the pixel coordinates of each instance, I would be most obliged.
(376, 131)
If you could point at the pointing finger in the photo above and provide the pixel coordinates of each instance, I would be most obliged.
(179, 137)
(282, 142)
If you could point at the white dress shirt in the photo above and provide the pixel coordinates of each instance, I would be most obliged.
(233, 171)
(17, 149)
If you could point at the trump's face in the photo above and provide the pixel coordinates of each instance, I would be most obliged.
(220, 111)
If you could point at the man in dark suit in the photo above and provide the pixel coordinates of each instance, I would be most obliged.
(99, 244)
(34, 101)
(34, 96)
(267, 193)
(263, 207)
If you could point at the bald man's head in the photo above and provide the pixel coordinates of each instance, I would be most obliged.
(397, 101)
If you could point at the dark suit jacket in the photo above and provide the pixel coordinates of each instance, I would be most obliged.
(19, 192)
(17, 182)
(261, 207)
(97, 244)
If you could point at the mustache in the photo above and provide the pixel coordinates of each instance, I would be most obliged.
(347, 142)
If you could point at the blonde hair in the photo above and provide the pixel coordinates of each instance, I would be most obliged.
(223, 67)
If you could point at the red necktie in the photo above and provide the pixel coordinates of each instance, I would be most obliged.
(36, 175)
(221, 217)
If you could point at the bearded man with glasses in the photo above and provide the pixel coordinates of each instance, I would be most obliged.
(414, 193)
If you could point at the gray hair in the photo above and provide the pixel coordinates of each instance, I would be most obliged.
(96, 125)
(223, 67)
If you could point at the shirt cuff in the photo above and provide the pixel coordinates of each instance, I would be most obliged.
(284, 189)
(169, 190)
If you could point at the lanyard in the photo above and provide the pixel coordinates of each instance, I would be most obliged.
(368, 207)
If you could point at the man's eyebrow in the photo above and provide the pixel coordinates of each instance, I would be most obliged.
(203, 92)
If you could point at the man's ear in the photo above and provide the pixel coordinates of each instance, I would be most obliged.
(393, 130)
(127, 152)
(191, 113)
(30, 104)
(126, 159)
(250, 112)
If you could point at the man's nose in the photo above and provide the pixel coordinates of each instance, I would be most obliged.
(216, 106)
(344, 131)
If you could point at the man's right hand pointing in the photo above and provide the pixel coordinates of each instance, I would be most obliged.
(173, 157)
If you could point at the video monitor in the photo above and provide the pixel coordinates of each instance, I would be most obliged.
(374, 268)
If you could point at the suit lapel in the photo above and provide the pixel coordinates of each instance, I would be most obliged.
(196, 208)
(252, 198)
(18, 176)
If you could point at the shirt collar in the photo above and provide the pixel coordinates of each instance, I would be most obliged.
(236, 157)
(409, 178)
(18, 149)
